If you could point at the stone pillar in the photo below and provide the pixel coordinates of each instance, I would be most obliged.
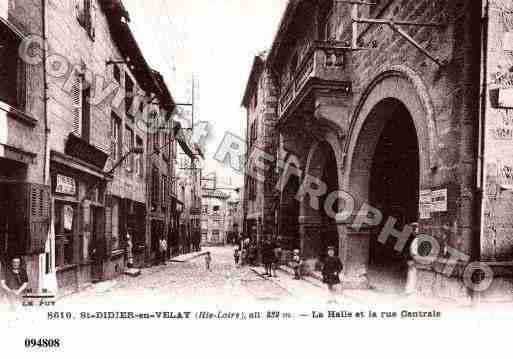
(310, 236)
(354, 253)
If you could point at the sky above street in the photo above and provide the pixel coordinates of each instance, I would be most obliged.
(215, 41)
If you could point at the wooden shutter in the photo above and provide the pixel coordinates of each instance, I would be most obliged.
(21, 83)
(30, 218)
(39, 218)
(76, 95)
(108, 223)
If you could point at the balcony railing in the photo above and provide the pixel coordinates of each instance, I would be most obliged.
(322, 61)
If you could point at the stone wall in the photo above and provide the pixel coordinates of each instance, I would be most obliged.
(497, 238)
(452, 90)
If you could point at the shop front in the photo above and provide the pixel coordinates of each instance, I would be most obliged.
(79, 218)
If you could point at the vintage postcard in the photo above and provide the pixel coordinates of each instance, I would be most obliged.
(279, 178)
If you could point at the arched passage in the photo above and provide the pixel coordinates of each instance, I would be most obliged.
(394, 111)
(318, 227)
(393, 189)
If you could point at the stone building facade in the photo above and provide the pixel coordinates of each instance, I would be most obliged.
(388, 124)
(260, 196)
(24, 172)
(213, 217)
(103, 103)
(187, 189)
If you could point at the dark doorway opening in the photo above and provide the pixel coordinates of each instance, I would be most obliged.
(329, 232)
(394, 190)
(289, 230)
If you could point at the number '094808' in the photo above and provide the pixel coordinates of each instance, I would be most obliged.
(42, 343)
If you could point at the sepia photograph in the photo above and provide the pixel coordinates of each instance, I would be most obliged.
(281, 178)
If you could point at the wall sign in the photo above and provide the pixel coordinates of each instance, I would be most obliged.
(507, 41)
(505, 174)
(439, 200)
(66, 185)
(506, 98)
(502, 133)
(425, 204)
(432, 201)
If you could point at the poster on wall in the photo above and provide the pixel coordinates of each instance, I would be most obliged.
(439, 200)
(505, 175)
(68, 218)
(425, 204)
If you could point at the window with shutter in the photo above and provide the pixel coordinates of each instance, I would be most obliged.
(22, 84)
(86, 113)
(129, 144)
(129, 95)
(12, 88)
(115, 146)
(76, 95)
(139, 159)
(38, 216)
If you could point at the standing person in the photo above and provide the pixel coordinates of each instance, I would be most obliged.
(163, 250)
(296, 265)
(208, 260)
(267, 253)
(129, 251)
(276, 259)
(14, 282)
(331, 270)
(236, 255)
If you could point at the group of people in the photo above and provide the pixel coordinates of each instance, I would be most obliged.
(246, 253)
(271, 257)
(165, 247)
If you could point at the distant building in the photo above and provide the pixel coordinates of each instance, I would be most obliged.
(233, 222)
(187, 189)
(213, 217)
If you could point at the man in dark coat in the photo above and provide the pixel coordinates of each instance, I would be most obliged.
(331, 269)
(267, 256)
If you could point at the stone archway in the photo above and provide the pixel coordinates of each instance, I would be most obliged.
(318, 227)
(393, 102)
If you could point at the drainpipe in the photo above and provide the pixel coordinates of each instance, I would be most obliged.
(46, 167)
(481, 168)
(52, 287)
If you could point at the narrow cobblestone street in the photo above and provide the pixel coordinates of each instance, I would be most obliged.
(190, 282)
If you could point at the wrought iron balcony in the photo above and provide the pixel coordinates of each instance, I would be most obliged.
(322, 67)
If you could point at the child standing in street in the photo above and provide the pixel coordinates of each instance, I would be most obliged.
(296, 264)
(236, 255)
(208, 259)
(331, 270)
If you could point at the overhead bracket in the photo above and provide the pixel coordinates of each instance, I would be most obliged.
(393, 24)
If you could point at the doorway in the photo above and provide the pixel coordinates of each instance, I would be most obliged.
(394, 190)
(98, 244)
